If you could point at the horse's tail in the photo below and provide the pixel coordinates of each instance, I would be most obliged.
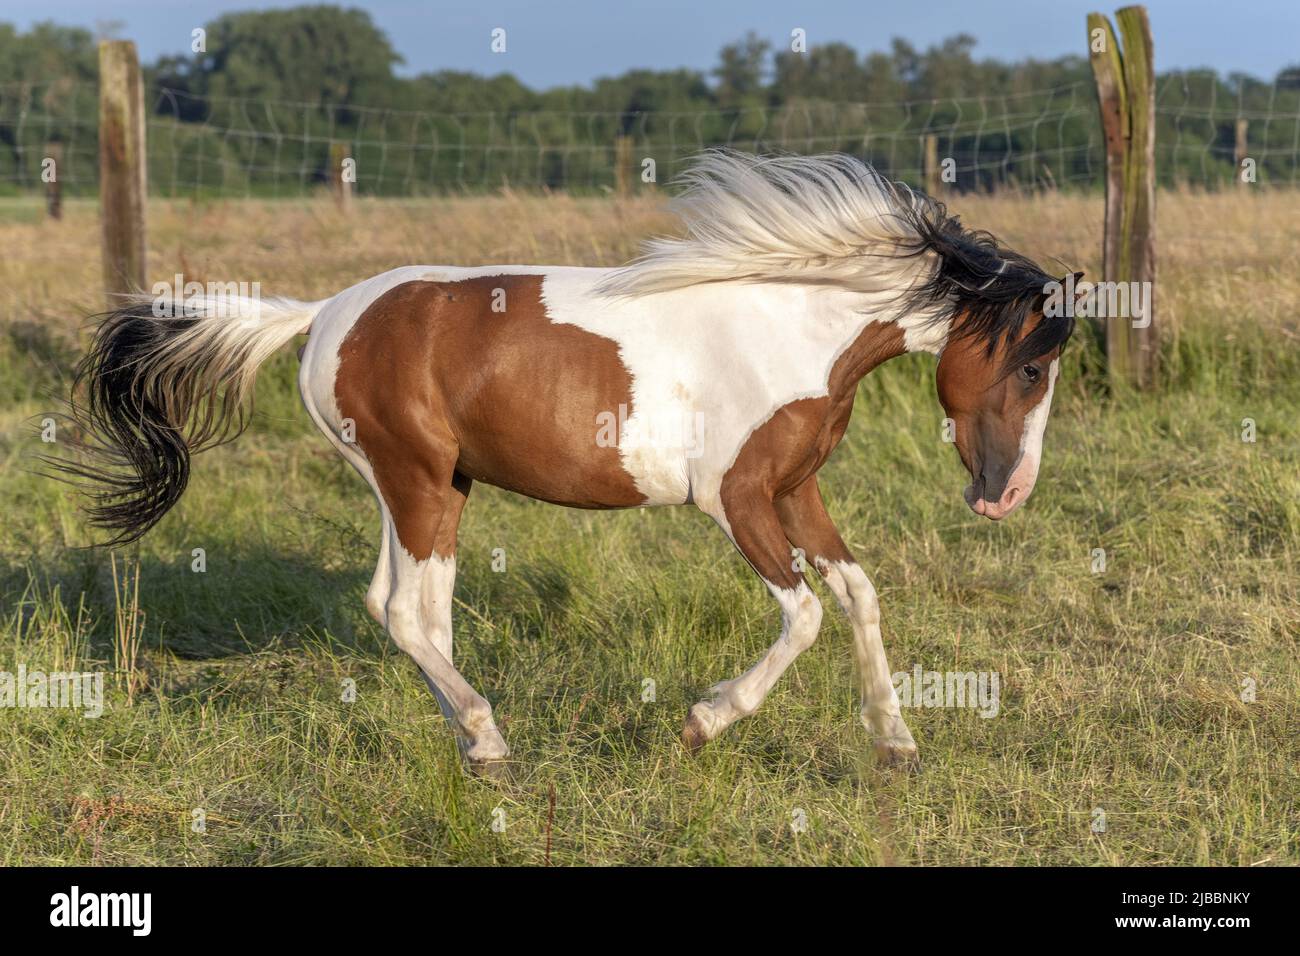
(162, 381)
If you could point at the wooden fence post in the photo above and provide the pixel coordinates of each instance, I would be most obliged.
(342, 175)
(1125, 81)
(930, 164)
(53, 185)
(622, 164)
(122, 183)
(1239, 149)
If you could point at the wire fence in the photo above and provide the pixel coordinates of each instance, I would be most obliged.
(1046, 138)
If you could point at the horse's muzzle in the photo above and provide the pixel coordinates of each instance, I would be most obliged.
(1015, 491)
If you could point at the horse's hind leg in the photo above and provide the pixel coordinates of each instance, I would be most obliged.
(440, 579)
(423, 517)
(381, 583)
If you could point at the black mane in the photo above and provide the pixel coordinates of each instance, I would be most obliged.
(995, 288)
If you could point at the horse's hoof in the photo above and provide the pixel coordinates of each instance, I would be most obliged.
(897, 754)
(694, 736)
(496, 771)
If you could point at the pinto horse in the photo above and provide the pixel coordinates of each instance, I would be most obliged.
(796, 277)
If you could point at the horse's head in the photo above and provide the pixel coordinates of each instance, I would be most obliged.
(997, 389)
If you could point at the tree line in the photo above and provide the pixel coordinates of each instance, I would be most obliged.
(256, 110)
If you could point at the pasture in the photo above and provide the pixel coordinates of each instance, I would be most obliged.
(1122, 690)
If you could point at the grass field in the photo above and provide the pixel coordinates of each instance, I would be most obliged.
(1121, 691)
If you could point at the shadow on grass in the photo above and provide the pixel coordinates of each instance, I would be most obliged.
(239, 621)
(248, 598)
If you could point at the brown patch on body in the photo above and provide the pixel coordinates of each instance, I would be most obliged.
(787, 450)
(807, 525)
(444, 390)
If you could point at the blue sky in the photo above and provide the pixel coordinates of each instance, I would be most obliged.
(561, 42)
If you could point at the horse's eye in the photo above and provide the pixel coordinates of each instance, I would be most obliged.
(1031, 373)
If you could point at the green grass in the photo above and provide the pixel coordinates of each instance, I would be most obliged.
(1120, 690)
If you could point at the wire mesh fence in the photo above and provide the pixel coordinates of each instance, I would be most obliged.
(1044, 138)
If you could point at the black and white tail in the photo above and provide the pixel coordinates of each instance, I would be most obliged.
(161, 383)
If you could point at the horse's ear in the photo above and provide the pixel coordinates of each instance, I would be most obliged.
(1078, 277)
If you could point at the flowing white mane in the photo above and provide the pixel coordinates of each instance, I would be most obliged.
(830, 219)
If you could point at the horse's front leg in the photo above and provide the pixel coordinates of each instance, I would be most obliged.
(753, 526)
(808, 527)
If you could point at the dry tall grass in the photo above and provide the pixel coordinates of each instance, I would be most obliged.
(1234, 255)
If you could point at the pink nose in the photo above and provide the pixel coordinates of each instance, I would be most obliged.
(1010, 500)
(1019, 485)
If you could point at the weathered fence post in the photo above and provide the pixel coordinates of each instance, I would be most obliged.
(122, 182)
(1126, 94)
(622, 164)
(1239, 150)
(342, 175)
(53, 187)
(930, 164)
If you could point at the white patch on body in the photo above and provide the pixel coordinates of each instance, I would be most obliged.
(726, 354)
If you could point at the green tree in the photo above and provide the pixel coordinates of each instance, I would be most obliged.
(830, 71)
(740, 69)
(313, 55)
